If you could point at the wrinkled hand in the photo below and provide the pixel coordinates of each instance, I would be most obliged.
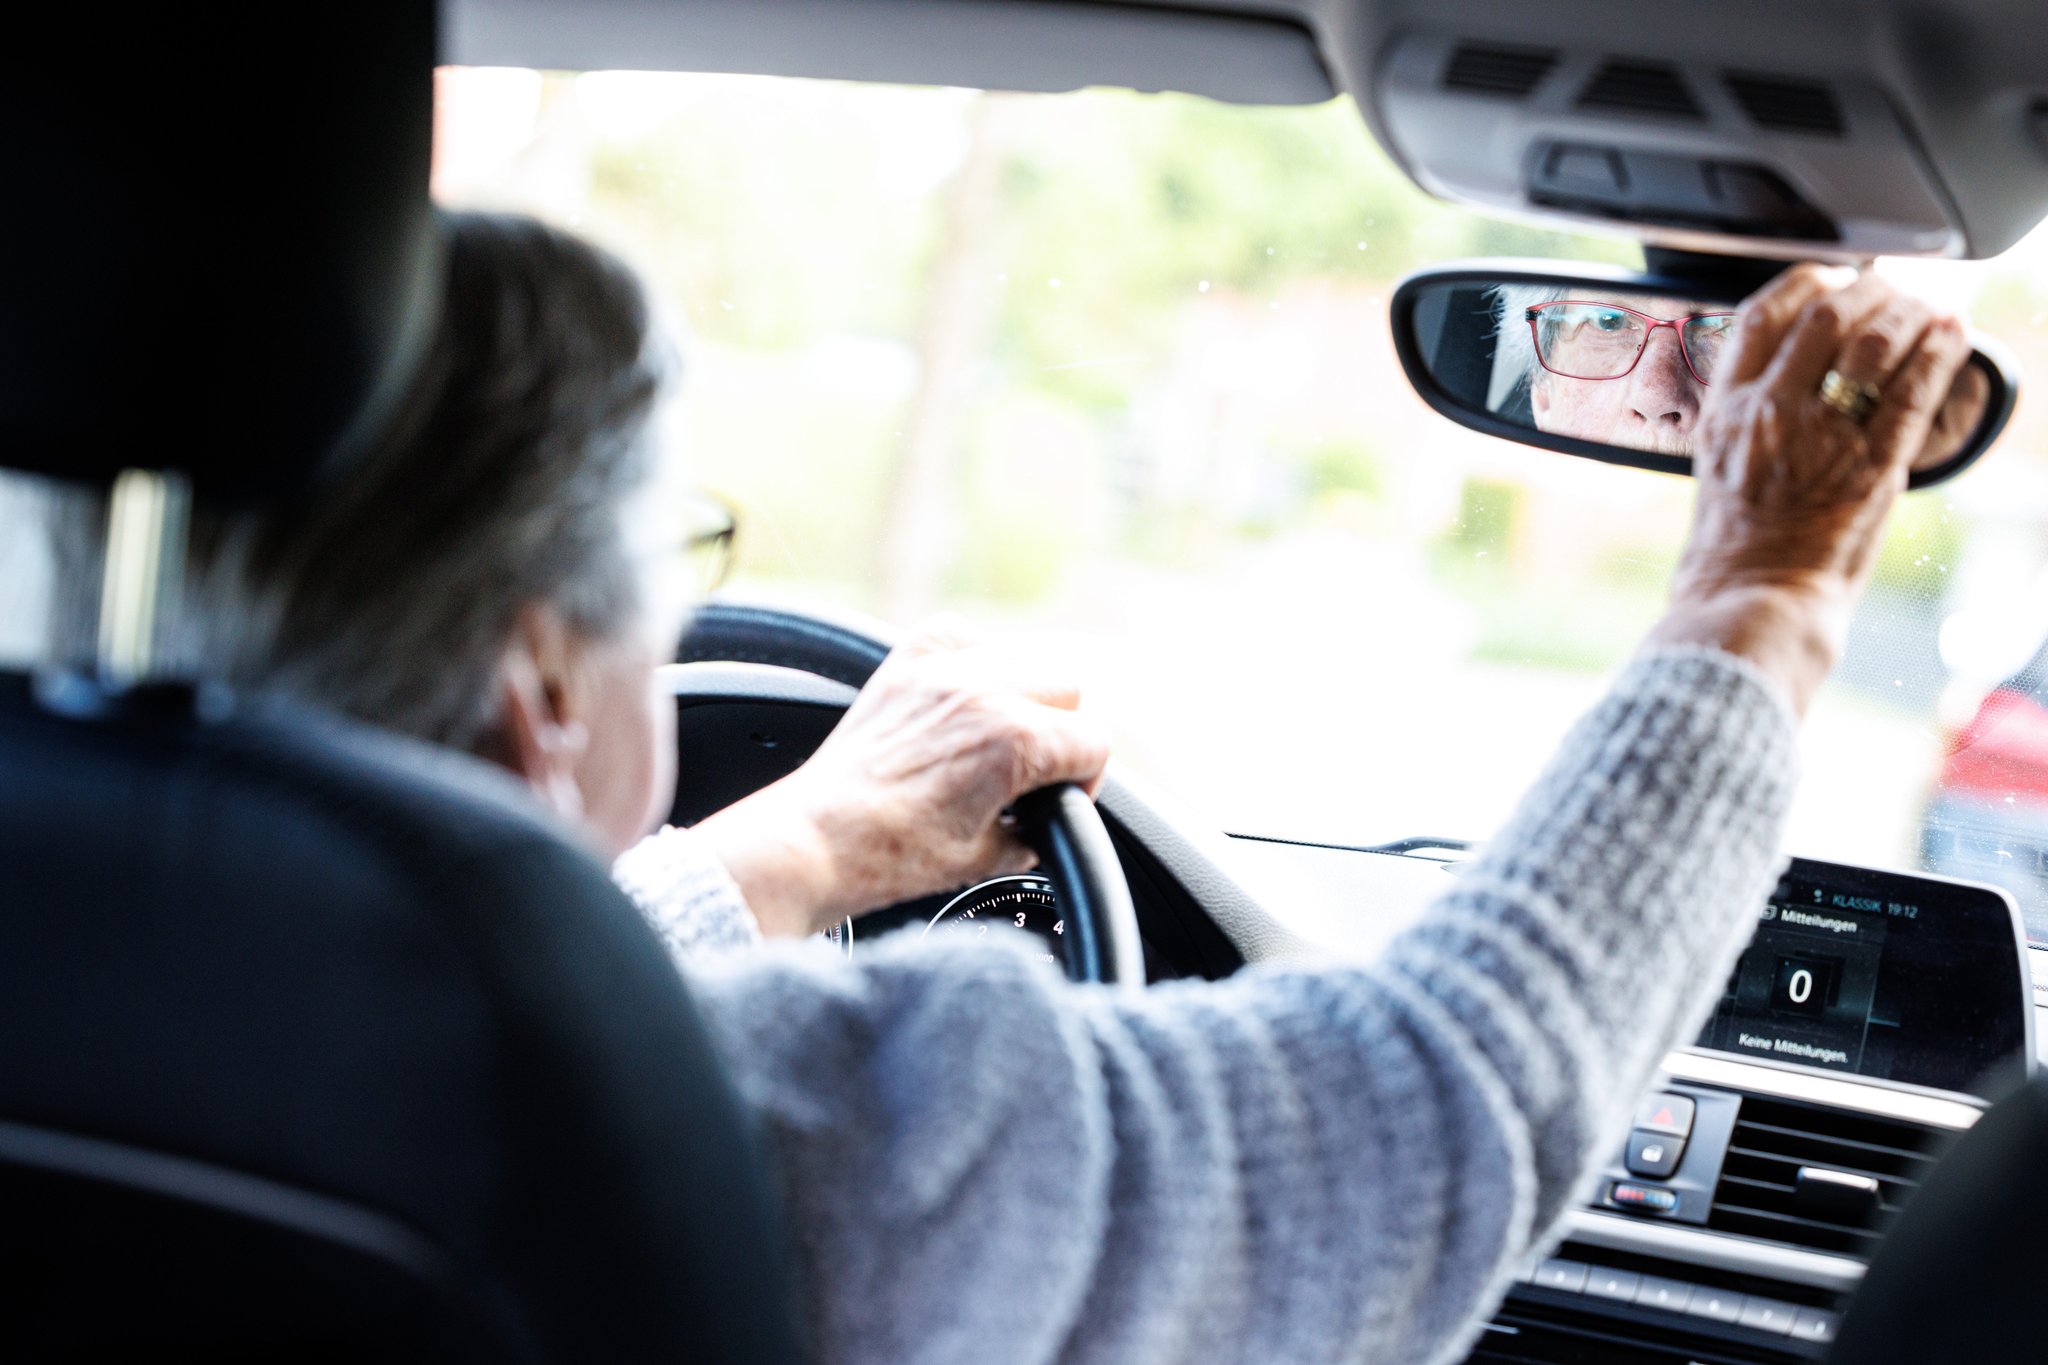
(905, 797)
(1792, 494)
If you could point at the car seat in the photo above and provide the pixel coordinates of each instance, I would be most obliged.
(319, 1044)
(1960, 1273)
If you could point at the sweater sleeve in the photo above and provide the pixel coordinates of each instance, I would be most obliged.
(686, 894)
(1301, 1163)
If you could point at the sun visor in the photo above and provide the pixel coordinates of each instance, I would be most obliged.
(1028, 45)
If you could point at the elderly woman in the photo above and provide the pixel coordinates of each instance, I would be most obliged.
(981, 1161)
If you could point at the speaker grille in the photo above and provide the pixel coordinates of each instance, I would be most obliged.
(1631, 87)
(1512, 72)
(1785, 105)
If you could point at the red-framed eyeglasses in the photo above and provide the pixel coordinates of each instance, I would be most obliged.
(1584, 339)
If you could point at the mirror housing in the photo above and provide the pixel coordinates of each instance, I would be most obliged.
(1476, 365)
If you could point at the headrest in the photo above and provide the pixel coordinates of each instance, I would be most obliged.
(220, 254)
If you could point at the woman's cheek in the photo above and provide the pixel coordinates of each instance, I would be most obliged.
(628, 771)
(661, 749)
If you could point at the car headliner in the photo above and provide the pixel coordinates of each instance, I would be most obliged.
(1943, 98)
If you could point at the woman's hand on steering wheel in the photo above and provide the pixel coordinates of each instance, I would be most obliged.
(907, 795)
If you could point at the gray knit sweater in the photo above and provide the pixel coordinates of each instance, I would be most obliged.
(984, 1163)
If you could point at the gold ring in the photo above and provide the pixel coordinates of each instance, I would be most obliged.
(1853, 398)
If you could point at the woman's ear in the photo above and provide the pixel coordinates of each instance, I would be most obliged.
(539, 735)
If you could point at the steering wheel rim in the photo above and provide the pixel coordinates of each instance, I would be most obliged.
(1060, 823)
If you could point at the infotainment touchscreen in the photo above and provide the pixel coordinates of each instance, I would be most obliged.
(1883, 974)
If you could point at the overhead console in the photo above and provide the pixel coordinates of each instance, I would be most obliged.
(1842, 131)
(1770, 157)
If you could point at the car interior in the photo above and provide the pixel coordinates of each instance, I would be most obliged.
(322, 1050)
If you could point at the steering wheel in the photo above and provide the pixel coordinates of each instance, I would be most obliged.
(1060, 823)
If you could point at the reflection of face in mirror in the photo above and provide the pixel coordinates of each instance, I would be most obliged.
(1626, 370)
(1611, 364)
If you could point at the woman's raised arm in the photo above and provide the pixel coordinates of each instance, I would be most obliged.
(1346, 1162)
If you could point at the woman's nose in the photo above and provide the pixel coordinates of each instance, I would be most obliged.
(1662, 391)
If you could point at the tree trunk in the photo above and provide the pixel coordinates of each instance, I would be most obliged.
(921, 528)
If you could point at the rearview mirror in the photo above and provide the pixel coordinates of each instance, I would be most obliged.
(1613, 365)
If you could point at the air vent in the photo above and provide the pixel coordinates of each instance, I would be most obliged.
(1782, 104)
(1533, 1332)
(1508, 71)
(1600, 1342)
(1652, 88)
(1817, 1177)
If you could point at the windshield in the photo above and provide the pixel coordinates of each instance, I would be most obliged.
(1112, 371)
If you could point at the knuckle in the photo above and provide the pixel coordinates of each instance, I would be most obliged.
(1099, 746)
(1869, 350)
(1011, 729)
(1925, 368)
(1828, 314)
(1916, 378)
(993, 726)
(976, 695)
(1023, 738)
(1769, 308)
(946, 701)
(1029, 765)
(1793, 284)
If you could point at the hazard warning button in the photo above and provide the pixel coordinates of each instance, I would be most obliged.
(1665, 1113)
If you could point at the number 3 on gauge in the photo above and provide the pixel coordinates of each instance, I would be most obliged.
(1026, 902)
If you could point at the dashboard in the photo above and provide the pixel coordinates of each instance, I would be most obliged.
(1869, 1023)
(1857, 971)
(1872, 1016)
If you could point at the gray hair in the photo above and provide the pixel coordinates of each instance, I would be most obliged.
(1514, 348)
(390, 592)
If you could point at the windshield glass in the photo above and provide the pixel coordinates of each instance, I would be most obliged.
(1112, 371)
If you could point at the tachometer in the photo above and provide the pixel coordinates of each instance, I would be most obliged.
(1024, 902)
(841, 935)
